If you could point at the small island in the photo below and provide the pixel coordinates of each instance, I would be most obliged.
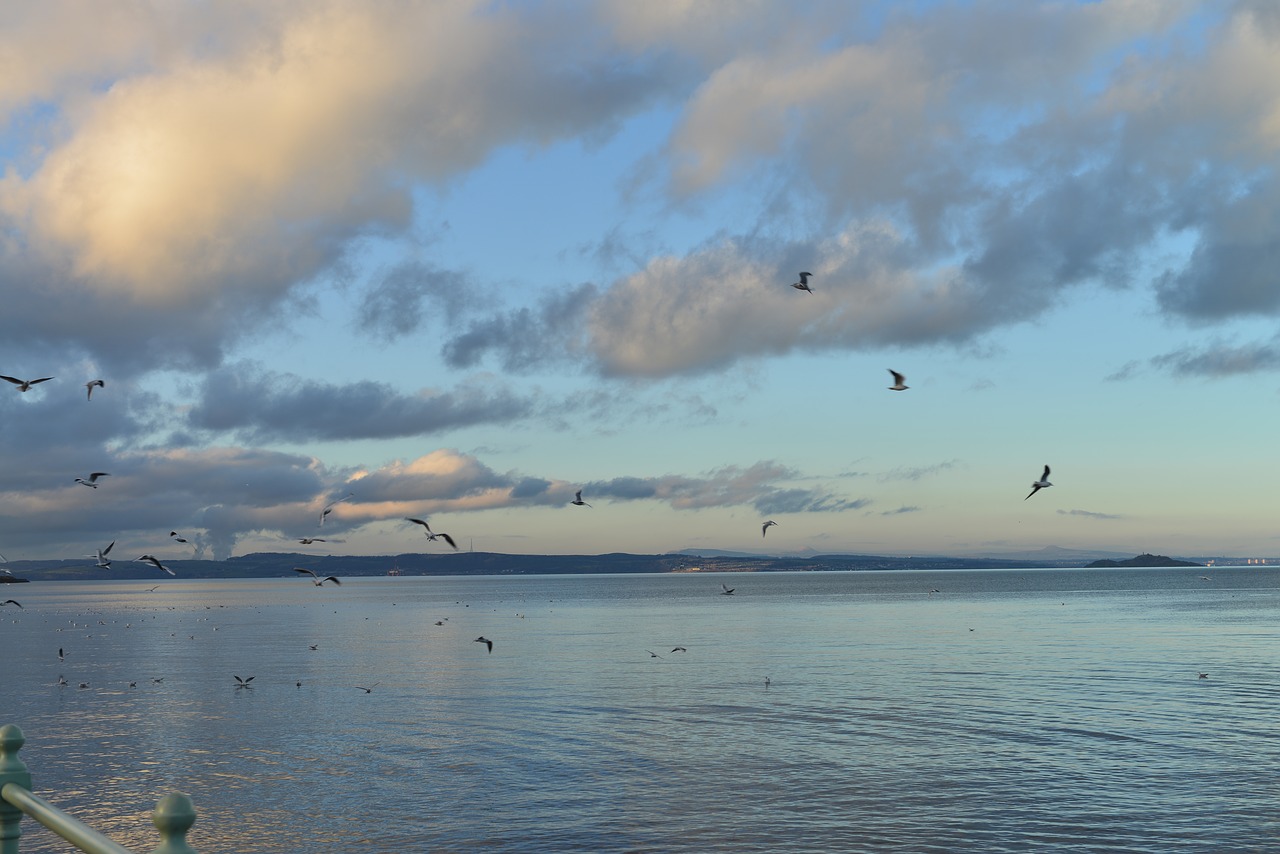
(1143, 560)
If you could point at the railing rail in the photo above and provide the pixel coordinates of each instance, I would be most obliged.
(172, 817)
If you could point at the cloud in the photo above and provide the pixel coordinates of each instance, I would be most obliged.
(1220, 359)
(900, 511)
(269, 406)
(1089, 514)
(395, 304)
(525, 338)
(916, 472)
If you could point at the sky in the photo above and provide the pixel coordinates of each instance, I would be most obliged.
(459, 260)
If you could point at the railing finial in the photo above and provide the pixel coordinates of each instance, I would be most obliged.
(11, 741)
(173, 816)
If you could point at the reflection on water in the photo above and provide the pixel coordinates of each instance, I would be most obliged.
(1009, 711)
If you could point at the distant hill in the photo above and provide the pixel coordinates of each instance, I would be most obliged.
(1144, 560)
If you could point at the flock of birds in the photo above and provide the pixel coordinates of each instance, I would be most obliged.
(92, 480)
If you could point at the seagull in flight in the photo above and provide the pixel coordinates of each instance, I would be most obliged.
(329, 507)
(103, 562)
(13, 602)
(24, 385)
(484, 640)
(306, 541)
(243, 683)
(899, 381)
(577, 500)
(315, 579)
(803, 284)
(177, 538)
(432, 536)
(156, 563)
(368, 690)
(726, 591)
(93, 478)
(1040, 484)
(679, 649)
(652, 654)
(91, 385)
(764, 529)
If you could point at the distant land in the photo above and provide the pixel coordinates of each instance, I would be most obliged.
(1144, 560)
(281, 564)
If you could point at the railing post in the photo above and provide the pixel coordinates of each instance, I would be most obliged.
(12, 770)
(173, 816)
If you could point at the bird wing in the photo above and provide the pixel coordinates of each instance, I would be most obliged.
(41, 380)
(418, 522)
(1034, 490)
(97, 474)
(1045, 476)
(13, 380)
(107, 550)
(332, 578)
(307, 571)
(448, 539)
(897, 377)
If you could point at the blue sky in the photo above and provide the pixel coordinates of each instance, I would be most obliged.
(460, 260)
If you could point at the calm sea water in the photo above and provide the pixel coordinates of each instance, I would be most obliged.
(1009, 711)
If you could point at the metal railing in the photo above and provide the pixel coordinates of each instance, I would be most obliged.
(173, 815)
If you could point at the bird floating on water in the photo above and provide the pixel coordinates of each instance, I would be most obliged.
(315, 579)
(24, 385)
(484, 640)
(432, 536)
(156, 563)
(93, 478)
(803, 284)
(577, 500)
(899, 381)
(764, 529)
(1040, 484)
(91, 385)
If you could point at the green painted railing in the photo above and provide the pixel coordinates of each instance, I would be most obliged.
(173, 815)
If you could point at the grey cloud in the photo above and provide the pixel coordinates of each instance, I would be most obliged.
(900, 511)
(1089, 514)
(271, 406)
(915, 473)
(396, 302)
(525, 338)
(1219, 359)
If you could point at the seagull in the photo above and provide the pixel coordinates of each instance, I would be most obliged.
(652, 654)
(91, 385)
(62, 681)
(152, 589)
(243, 683)
(431, 535)
(578, 500)
(679, 649)
(1203, 675)
(92, 481)
(177, 538)
(726, 591)
(12, 602)
(484, 640)
(899, 381)
(803, 284)
(156, 563)
(103, 563)
(306, 541)
(61, 655)
(315, 579)
(329, 507)
(368, 690)
(24, 385)
(764, 529)
(1040, 484)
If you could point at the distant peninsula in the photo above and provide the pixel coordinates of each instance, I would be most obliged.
(1144, 560)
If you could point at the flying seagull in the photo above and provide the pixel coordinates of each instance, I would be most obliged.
(432, 536)
(368, 690)
(13, 602)
(1040, 484)
(103, 563)
(329, 507)
(315, 579)
(24, 385)
(306, 541)
(679, 649)
(899, 381)
(93, 478)
(803, 284)
(577, 500)
(484, 640)
(652, 654)
(243, 683)
(156, 563)
(91, 385)
(726, 591)
(175, 536)
(764, 529)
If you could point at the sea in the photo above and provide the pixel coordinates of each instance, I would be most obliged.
(1081, 710)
